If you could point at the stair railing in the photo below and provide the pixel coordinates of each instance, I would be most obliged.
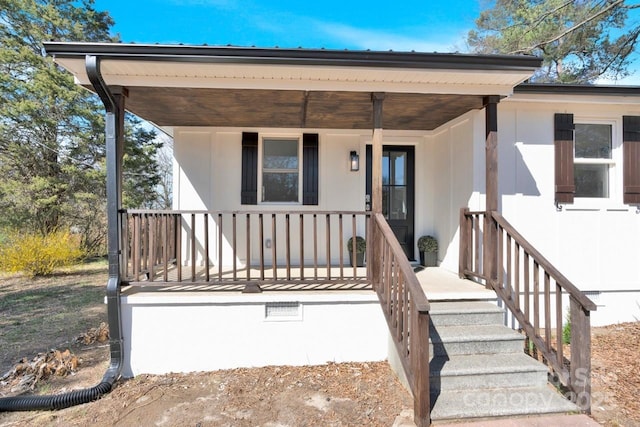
(406, 309)
(493, 252)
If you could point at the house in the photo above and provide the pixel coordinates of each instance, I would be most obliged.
(283, 155)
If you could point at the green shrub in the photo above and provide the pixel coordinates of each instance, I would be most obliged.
(38, 255)
(361, 245)
(566, 330)
(428, 244)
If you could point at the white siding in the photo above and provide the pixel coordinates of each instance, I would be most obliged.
(594, 244)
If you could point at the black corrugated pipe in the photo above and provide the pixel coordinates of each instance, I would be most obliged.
(114, 127)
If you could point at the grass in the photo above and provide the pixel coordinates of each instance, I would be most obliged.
(41, 313)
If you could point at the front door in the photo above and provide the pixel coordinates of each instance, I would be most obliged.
(397, 191)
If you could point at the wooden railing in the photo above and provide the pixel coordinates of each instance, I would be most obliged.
(491, 250)
(286, 249)
(215, 247)
(406, 309)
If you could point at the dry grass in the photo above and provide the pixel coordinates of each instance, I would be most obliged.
(44, 312)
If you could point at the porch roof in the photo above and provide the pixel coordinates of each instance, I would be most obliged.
(178, 85)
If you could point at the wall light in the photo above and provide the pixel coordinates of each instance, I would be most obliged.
(355, 161)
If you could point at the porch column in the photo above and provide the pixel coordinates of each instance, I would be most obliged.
(376, 158)
(114, 155)
(375, 252)
(491, 184)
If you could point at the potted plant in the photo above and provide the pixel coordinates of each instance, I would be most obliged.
(360, 248)
(428, 247)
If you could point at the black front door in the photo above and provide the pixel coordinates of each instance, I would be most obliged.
(397, 191)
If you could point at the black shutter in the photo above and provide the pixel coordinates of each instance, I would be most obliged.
(249, 189)
(310, 169)
(563, 142)
(631, 159)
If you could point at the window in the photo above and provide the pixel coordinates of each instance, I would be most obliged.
(280, 170)
(288, 172)
(593, 160)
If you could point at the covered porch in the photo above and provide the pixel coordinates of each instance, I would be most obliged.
(224, 97)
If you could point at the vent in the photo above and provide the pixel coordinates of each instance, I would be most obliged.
(593, 296)
(283, 311)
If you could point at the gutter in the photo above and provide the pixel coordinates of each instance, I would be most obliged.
(300, 56)
(113, 134)
(576, 89)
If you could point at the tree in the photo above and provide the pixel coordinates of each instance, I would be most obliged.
(52, 145)
(579, 41)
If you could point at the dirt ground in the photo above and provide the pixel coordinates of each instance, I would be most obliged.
(349, 394)
(346, 394)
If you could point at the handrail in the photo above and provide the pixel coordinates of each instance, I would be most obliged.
(513, 264)
(566, 284)
(237, 212)
(406, 309)
(228, 249)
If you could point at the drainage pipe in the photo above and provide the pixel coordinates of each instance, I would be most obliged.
(114, 126)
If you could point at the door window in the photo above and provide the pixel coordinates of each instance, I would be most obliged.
(394, 185)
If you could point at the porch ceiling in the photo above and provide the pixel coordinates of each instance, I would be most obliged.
(292, 108)
(255, 87)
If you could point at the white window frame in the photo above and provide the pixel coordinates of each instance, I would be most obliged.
(615, 166)
(283, 137)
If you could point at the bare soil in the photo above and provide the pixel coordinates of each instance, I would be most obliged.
(346, 394)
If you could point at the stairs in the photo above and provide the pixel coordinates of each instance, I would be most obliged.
(479, 369)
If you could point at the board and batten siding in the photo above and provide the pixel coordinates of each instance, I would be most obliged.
(593, 242)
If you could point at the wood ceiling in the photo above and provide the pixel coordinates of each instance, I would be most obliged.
(169, 106)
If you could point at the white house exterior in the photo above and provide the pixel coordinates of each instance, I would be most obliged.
(592, 241)
(284, 156)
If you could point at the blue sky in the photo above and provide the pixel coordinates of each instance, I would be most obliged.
(405, 25)
(425, 25)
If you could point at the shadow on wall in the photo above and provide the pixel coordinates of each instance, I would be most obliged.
(525, 183)
(515, 178)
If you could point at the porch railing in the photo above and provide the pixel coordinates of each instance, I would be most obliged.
(285, 250)
(525, 280)
(406, 309)
(277, 249)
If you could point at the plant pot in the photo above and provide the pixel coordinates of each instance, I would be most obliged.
(359, 259)
(429, 259)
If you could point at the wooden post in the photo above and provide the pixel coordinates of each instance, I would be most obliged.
(376, 164)
(580, 355)
(420, 356)
(490, 253)
(376, 186)
(465, 244)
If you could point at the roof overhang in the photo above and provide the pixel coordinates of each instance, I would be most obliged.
(232, 86)
(576, 93)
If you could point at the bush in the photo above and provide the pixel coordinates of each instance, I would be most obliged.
(427, 244)
(361, 245)
(566, 330)
(38, 255)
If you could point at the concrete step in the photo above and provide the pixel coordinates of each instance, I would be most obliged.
(465, 313)
(481, 339)
(503, 402)
(479, 371)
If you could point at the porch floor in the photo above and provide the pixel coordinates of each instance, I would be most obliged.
(440, 284)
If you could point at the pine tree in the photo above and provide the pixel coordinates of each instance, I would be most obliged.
(580, 41)
(52, 144)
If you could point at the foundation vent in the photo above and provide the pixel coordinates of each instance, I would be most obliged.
(283, 311)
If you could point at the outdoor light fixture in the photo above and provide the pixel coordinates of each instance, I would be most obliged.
(355, 161)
